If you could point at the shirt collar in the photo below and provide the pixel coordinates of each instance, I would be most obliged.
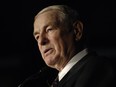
(71, 63)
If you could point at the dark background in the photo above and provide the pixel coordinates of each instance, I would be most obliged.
(19, 55)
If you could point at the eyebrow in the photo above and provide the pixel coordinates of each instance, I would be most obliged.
(35, 33)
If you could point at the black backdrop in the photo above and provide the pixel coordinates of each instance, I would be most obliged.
(19, 54)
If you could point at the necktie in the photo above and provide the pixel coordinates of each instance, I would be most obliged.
(55, 82)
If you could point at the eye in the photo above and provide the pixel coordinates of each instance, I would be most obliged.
(37, 37)
(49, 29)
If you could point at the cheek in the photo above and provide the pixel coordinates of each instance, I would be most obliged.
(59, 46)
(64, 45)
(40, 49)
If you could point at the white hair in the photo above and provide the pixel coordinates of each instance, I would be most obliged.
(65, 13)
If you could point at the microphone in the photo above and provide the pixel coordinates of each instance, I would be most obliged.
(44, 76)
(34, 76)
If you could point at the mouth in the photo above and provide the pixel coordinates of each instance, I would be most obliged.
(47, 50)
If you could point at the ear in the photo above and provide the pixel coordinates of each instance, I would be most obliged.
(78, 30)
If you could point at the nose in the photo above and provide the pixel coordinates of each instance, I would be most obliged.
(43, 39)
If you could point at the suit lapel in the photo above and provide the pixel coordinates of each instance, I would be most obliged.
(75, 69)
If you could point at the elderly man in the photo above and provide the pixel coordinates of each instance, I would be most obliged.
(60, 37)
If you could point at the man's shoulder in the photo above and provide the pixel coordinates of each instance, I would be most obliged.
(95, 59)
(91, 70)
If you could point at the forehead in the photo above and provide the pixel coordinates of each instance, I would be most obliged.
(45, 18)
(48, 16)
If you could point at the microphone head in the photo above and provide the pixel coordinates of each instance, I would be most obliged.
(44, 78)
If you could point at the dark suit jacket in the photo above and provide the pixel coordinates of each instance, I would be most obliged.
(90, 71)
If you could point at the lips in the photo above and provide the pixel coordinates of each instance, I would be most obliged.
(47, 50)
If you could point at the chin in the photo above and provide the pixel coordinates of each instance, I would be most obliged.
(50, 62)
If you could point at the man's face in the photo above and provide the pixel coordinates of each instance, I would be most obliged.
(54, 41)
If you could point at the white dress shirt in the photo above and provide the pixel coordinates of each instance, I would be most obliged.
(71, 63)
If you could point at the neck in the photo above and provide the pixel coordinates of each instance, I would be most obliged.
(69, 56)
